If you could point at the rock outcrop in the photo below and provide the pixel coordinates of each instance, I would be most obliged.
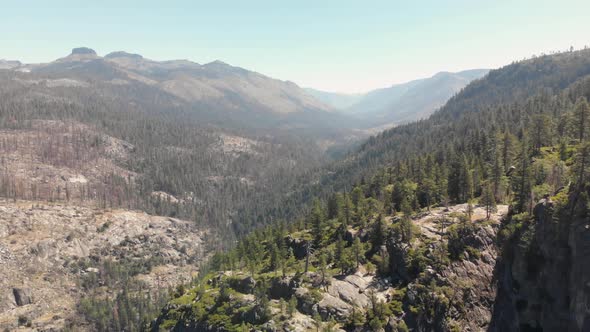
(22, 296)
(544, 275)
(83, 50)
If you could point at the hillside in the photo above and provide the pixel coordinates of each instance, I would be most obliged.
(487, 111)
(339, 101)
(121, 189)
(469, 204)
(358, 276)
(59, 260)
(505, 99)
(530, 154)
(164, 148)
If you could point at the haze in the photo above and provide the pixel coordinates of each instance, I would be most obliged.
(333, 46)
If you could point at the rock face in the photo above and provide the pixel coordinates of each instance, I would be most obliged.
(544, 276)
(298, 246)
(281, 288)
(333, 307)
(245, 285)
(22, 296)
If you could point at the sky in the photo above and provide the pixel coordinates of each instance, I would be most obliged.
(340, 46)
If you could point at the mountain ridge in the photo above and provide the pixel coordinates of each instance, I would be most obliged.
(215, 84)
(400, 103)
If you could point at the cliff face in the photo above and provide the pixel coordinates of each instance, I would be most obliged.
(544, 275)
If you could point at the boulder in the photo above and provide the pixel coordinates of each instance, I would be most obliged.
(269, 326)
(348, 293)
(22, 296)
(364, 234)
(281, 288)
(298, 246)
(333, 307)
(244, 285)
(305, 302)
(350, 235)
(391, 325)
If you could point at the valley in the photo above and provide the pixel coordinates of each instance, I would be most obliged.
(139, 195)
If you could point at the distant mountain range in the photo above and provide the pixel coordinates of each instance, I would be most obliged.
(340, 101)
(222, 94)
(401, 102)
(214, 87)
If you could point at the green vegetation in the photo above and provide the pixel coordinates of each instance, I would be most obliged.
(131, 307)
(475, 151)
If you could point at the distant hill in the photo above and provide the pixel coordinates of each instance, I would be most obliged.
(340, 101)
(8, 64)
(401, 103)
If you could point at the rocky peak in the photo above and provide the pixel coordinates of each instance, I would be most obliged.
(83, 50)
(123, 54)
(9, 64)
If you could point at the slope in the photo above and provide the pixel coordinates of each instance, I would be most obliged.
(426, 222)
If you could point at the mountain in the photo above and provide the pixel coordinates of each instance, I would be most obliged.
(9, 64)
(401, 103)
(339, 101)
(216, 91)
(504, 89)
(117, 185)
(219, 82)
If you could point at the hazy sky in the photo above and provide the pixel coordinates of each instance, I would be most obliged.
(344, 46)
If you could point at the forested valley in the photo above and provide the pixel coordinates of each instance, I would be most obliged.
(120, 190)
(150, 215)
(449, 224)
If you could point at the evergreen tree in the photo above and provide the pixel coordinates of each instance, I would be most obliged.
(357, 251)
(581, 118)
(317, 223)
(488, 200)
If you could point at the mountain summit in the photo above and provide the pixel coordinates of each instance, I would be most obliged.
(83, 50)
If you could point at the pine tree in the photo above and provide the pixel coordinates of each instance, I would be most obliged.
(488, 200)
(323, 267)
(292, 306)
(317, 223)
(342, 256)
(522, 178)
(357, 250)
(581, 118)
(378, 234)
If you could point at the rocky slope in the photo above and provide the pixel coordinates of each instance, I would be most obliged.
(413, 287)
(48, 251)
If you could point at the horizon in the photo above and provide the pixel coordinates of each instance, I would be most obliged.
(345, 48)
